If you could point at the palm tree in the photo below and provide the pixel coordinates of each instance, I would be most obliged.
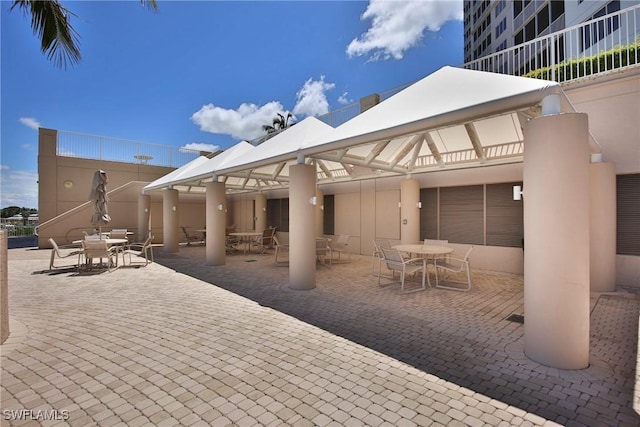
(279, 123)
(50, 23)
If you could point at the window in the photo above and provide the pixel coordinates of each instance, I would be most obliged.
(505, 226)
(429, 213)
(328, 226)
(278, 214)
(502, 26)
(477, 214)
(557, 10)
(530, 30)
(461, 214)
(543, 19)
(517, 7)
(519, 38)
(628, 214)
(595, 32)
(500, 7)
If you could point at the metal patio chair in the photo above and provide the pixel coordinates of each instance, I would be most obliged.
(455, 265)
(63, 253)
(396, 262)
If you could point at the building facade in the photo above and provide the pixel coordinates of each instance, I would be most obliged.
(492, 26)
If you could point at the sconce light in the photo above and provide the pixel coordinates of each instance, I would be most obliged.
(313, 200)
(321, 207)
(173, 208)
(419, 205)
(220, 207)
(517, 192)
(264, 209)
(146, 210)
(399, 204)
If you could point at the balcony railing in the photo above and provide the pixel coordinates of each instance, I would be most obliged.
(604, 44)
(72, 144)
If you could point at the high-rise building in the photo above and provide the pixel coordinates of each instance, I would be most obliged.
(491, 26)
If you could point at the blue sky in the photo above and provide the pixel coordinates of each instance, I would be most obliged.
(208, 72)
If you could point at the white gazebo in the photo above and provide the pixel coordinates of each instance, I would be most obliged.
(451, 119)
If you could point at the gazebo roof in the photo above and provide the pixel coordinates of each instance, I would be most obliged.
(452, 118)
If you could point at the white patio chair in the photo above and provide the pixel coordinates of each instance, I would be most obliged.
(265, 241)
(144, 249)
(378, 244)
(63, 253)
(395, 262)
(118, 233)
(455, 265)
(340, 247)
(323, 251)
(99, 249)
(435, 242)
(279, 247)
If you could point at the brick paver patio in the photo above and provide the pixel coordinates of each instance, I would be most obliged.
(162, 345)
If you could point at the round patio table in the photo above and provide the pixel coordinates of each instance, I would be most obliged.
(425, 251)
(246, 236)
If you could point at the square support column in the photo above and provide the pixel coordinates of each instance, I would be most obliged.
(556, 230)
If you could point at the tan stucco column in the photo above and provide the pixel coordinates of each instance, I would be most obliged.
(261, 212)
(216, 221)
(170, 220)
(603, 226)
(409, 211)
(302, 244)
(144, 217)
(556, 230)
(319, 212)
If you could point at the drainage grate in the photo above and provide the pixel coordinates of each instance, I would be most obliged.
(518, 318)
(251, 260)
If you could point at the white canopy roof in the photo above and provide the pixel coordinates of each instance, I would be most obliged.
(199, 170)
(450, 119)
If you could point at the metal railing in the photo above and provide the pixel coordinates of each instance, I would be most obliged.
(85, 146)
(604, 44)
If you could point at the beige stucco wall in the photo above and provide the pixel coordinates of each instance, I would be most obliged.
(65, 184)
(613, 105)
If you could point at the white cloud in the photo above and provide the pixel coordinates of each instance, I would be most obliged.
(397, 26)
(311, 99)
(18, 188)
(244, 123)
(30, 122)
(200, 146)
(344, 99)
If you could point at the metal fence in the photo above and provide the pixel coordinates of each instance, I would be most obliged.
(85, 146)
(601, 45)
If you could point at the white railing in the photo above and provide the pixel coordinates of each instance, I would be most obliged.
(604, 44)
(72, 144)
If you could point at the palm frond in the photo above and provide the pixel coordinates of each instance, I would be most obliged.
(50, 22)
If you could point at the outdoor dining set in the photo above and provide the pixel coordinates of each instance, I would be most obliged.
(105, 248)
(410, 259)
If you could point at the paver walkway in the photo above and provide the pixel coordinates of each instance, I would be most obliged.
(161, 345)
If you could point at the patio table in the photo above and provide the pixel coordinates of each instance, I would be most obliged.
(110, 242)
(245, 236)
(425, 251)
